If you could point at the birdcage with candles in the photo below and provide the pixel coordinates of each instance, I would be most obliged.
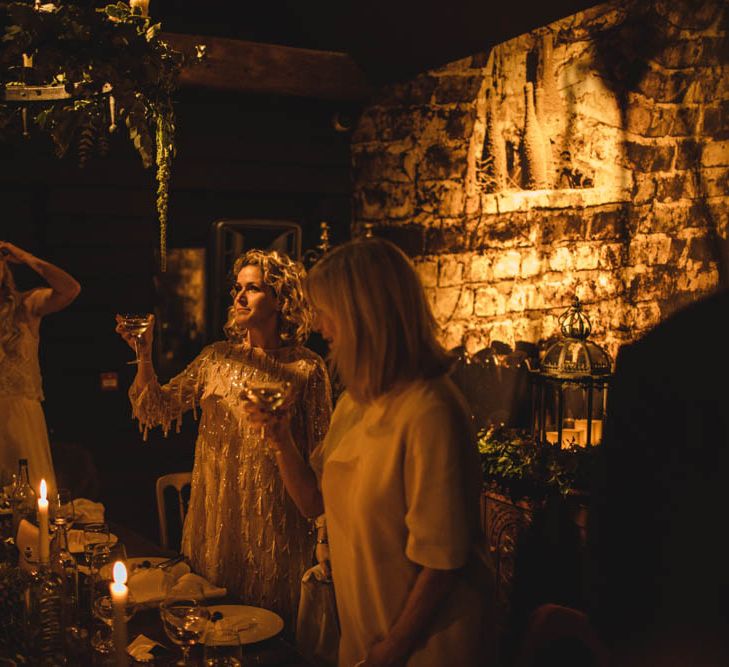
(570, 386)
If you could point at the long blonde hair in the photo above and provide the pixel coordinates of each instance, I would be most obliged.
(11, 308)
(386, 334)
(285, 277)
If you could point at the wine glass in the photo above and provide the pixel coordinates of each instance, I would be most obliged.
(268, 396)
(135, 324)
(185, 622)
(94, 533)
(222, 647)
(62, 506)
(101, 568)
(103, 609)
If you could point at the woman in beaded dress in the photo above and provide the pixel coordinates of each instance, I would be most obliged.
(23, 432)
(242, 531)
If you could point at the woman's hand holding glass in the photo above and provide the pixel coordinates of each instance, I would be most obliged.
(137, 331)
(267, 405)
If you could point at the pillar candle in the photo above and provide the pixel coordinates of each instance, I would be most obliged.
(43, 539)
(119, 595)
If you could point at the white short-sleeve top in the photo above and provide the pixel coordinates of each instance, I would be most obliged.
(401, 482)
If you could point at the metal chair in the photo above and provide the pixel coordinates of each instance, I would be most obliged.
(178, 480)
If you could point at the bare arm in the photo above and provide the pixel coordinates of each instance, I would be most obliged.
(428, 593)
(63, 287)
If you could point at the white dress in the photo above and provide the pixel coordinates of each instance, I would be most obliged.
(23, 432)
(401, 482)
(242, 529)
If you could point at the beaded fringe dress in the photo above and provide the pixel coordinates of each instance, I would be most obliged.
(242, 530)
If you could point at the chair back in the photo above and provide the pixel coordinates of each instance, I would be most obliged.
(178, 480)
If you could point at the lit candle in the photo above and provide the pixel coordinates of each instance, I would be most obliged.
(142, 5)
(43, 541)
(119, 595)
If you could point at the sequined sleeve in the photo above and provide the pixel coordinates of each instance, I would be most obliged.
(155, 405)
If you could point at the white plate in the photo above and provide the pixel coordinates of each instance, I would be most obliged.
(254, 624)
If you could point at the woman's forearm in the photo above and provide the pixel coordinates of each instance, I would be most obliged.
(61, 282)
(426, 596)
(298, 477)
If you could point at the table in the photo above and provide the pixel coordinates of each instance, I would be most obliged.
(278, 651)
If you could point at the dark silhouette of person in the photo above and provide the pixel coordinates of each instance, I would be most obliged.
(659, 516)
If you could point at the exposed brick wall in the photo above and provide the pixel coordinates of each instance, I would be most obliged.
(645, 111)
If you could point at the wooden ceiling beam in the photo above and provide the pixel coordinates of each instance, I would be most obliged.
(252, 67)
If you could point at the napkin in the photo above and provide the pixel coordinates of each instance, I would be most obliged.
(140, 649)
(27, 543)
(87, 511)
(148, 585)
(197, 587)
(316, 573)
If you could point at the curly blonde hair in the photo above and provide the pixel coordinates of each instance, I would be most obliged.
(11, 302)
(285, 277)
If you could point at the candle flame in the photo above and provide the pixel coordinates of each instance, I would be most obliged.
(120, 573)
(43, 490)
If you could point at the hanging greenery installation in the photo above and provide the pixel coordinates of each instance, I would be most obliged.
(76, 71)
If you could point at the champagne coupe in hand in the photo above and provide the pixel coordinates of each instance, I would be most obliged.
(136, 325)
(185, 623)
(268, 397)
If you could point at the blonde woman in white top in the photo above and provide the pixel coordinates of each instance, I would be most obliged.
(23, 432)
(398, 470)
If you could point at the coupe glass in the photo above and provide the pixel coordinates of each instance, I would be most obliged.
(135, 324)
(222, 647)
(269, 397)
(185, 622)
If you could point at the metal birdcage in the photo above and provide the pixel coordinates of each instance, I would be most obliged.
(570, 386)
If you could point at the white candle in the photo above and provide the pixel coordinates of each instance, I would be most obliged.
(43, 540)
(119, 595)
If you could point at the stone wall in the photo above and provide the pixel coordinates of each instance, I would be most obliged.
(641, 112)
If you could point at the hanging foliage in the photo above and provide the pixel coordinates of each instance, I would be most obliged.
(114, 67)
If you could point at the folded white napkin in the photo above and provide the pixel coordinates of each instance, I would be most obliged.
(153, 584)
(196, 587)
(27, 543)
(87, 511)
(140, 648)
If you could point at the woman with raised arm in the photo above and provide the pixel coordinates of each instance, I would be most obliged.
(242, 531)
(23, 432)
(399, 472)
